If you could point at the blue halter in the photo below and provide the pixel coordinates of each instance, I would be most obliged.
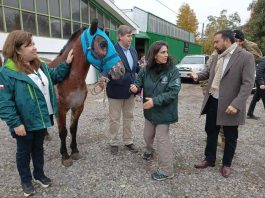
(110, 59)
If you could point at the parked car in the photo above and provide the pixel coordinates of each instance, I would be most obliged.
(194, 63)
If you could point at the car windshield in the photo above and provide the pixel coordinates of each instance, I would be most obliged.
(192, 60)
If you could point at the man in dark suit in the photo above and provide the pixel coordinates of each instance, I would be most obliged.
(231, 78)
(121, 101)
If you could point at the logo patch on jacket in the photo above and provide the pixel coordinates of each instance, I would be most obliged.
(164, 80)
(2, 87)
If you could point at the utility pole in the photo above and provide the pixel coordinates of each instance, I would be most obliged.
(202, 35)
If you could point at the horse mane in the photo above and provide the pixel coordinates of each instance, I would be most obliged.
(72, 37)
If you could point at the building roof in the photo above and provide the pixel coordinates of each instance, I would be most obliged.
(115, 11)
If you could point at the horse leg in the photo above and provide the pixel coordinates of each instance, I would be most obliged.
(73, 129)
(66, 160)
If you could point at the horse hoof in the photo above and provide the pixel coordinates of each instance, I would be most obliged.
(76, 156)
(67, 162)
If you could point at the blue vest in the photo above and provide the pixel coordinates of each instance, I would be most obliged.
(110, 59)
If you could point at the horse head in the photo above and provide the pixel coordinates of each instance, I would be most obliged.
(100, 51)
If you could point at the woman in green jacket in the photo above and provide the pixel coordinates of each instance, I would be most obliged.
(27, 103)
(161, 84)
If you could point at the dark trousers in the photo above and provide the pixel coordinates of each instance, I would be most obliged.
(259, 94)
(212, 130)
(30, 147)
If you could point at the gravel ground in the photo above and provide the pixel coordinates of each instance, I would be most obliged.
(99, 174)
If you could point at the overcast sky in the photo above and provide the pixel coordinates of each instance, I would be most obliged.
(202, 8)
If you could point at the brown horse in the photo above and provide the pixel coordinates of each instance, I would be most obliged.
(72, 92)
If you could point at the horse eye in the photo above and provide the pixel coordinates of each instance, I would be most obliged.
(103, 44)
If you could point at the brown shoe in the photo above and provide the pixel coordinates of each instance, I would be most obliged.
(225, 171)
(204, 164)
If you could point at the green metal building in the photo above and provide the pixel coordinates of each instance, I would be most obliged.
(53, 21)
(153, 28)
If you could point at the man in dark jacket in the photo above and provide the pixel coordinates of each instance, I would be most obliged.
(121, 101)
(260, 91)
(253, 49)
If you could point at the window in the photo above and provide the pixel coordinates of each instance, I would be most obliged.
(13, 3)
(66, 9)
(54, 8)
(107, 23)
(100, 19)
(84, 13)
(66, 29)
(27, 5)
(43, 25)
(112, 25)
(76, 10)
(56, 28)
(1, 20)
(76, 26)
(29, 23)
(52, 18)
(42, 6)
(11, 16)
(92, 13)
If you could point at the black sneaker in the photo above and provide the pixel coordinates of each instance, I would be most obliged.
(28, 189)
(114, 150)
(43, 181)
(132, 148)
(147, 156)
(159, 176)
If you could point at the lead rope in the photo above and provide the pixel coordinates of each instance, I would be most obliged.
(97, 90)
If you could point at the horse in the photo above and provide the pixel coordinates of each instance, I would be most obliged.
(90, 46)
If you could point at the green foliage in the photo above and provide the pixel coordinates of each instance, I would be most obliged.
(217, 23)
(255, 28)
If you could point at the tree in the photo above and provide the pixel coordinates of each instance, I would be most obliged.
(187, 20)
(255, 27)
(217, 23)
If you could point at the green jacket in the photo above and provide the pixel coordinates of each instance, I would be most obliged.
(22, 102)
(164, 89)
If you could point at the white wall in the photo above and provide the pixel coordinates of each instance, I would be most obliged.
(49, 48)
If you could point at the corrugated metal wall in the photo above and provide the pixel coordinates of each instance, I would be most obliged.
(176, 46)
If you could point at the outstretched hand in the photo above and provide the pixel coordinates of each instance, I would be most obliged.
(70, 57)
(193, 75)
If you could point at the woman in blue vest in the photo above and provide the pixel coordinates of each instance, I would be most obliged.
(27, 103)
(161, 84)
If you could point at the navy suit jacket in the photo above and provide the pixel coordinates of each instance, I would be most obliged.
(120, 89)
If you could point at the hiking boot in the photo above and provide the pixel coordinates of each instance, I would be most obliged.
(43, 181)
(147, 156)
(132, 148)
(28, 189)
(159, 176)
(114, 150)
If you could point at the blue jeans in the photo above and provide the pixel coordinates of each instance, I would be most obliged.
(30, 146)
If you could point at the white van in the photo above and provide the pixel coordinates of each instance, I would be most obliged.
(195, 63)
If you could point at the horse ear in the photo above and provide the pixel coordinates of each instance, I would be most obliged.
(94, 26)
